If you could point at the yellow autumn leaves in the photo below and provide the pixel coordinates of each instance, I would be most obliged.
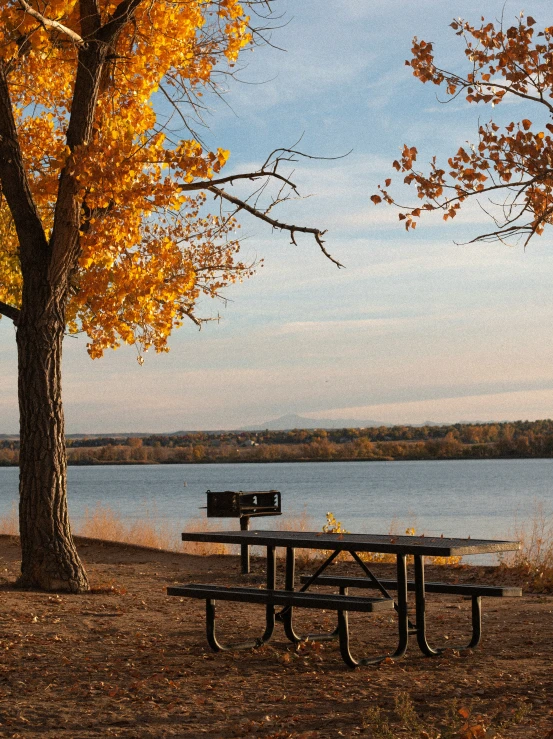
(147, 251)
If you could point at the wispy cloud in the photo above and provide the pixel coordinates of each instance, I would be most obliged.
(380, 325)
(506, 406)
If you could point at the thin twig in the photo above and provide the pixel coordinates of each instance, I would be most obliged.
(242, 205)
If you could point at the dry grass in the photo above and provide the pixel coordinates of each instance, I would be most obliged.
(333, 526)
(105, 523)
(535, 557)
(200, 548)
(9, 523)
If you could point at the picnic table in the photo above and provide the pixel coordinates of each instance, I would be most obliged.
(356, 544)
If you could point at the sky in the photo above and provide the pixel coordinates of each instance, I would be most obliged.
(416, 327)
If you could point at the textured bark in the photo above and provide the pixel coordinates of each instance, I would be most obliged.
(49, 557)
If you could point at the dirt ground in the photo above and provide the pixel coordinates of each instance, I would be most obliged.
(128, 661)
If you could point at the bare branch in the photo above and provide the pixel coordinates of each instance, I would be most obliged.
(194, 186)
(295, 152)
(268, 171)
(200, 321)
(243, 205)
(10, 312)
(269, 168)
(49, 23)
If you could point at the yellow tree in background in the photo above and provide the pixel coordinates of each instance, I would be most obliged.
(103, 219)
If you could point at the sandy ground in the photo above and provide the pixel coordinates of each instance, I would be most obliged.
(128, 661)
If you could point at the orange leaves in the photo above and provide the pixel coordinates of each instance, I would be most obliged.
(462, 155)
(10, 282)
(512, 160)
(408, 156)
(473, 726)
(422, 62)
(494, 53)
(474, 731)
(408, 218)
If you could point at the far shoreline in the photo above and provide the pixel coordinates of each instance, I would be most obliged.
(186, 463)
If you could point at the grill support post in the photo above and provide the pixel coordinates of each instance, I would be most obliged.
(244, 548)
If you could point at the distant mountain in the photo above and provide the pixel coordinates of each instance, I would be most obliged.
(293, 421)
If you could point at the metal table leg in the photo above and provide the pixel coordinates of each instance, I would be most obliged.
(269, 615)
(476, 616)
(403, 623)
(342, 630)
(244, 548)
(287, 614)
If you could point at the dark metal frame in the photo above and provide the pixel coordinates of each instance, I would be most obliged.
(286, 614)
(405, 626)
(269, 615)
(420, 605)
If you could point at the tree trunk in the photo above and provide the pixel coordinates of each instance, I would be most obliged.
(49, 557)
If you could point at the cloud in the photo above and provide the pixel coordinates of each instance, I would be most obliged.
(372, 326)
(506, 406)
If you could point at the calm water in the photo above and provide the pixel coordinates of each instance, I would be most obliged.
(455, 498)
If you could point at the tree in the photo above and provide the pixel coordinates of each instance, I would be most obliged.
(104, 227)
(513, 162)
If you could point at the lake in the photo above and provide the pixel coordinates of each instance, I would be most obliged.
(477, 498)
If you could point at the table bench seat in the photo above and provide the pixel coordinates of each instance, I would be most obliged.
(281, 598)
(470, 590)
(288, 599)
(473, 591)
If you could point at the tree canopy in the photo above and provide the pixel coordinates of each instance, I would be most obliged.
(511, 164)
(147, 247)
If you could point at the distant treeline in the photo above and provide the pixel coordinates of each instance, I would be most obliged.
(520, 439)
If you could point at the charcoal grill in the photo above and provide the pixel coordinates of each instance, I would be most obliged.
(243, 505)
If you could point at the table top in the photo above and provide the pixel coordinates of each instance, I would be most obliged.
(436, 546)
